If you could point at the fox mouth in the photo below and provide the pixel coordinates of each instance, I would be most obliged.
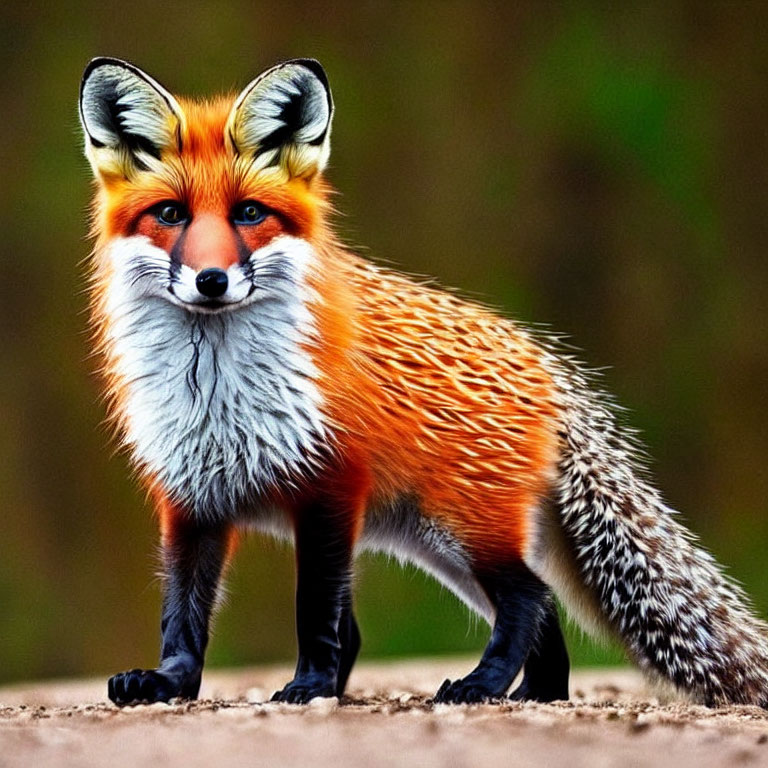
(214, 304)
(206, 305)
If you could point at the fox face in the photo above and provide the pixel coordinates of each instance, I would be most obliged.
(208, 215)
(206, 201)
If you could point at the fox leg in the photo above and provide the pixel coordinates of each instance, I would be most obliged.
(521, 602)
(327, 632)
(349, 636)
(545, 674)
(194, 557)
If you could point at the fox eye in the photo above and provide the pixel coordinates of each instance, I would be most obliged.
(249, 212)
(171, 214)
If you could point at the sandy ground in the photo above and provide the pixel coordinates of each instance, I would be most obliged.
(611, 720)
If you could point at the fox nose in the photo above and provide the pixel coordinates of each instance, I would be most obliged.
(212, 282)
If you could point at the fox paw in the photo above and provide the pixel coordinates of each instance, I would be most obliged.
(302, 692)
(464, 691)
(141, 686)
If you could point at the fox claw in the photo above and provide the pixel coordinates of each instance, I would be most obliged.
(139, 686)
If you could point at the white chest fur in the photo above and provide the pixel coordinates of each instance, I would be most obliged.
(218, 407)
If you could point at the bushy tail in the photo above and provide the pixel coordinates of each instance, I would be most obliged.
(678, 615)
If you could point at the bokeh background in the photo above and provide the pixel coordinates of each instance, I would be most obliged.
(599, 167)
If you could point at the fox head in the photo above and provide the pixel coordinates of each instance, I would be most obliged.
(197, 201)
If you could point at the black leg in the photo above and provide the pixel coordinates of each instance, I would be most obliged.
(349, 635)
(193, 559)
(545, 674)
(323, 597)
(521, 600)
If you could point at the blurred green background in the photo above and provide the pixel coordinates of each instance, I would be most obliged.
(598, 167)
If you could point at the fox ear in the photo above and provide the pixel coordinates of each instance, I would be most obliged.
(129, 120)
(283, 118)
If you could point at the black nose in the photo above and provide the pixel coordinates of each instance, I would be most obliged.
(212, 282)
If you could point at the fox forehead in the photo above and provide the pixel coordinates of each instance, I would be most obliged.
(203, 132)
(204, 172)
(208, 175)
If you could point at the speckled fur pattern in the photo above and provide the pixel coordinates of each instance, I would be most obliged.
(678, 615)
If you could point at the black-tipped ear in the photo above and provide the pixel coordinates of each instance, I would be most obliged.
(128, 118)
(283, 118)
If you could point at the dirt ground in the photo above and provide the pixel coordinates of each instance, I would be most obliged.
(611, 720)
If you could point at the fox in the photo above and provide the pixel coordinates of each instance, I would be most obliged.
(262, 375)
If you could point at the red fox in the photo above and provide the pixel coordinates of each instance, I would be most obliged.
(262, 375)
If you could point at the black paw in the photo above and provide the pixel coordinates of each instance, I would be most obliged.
(302, 691)
(526, 692)
(140, 686)
(464, 691)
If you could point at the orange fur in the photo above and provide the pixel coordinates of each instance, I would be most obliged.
(427, 394)
(444, 400)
